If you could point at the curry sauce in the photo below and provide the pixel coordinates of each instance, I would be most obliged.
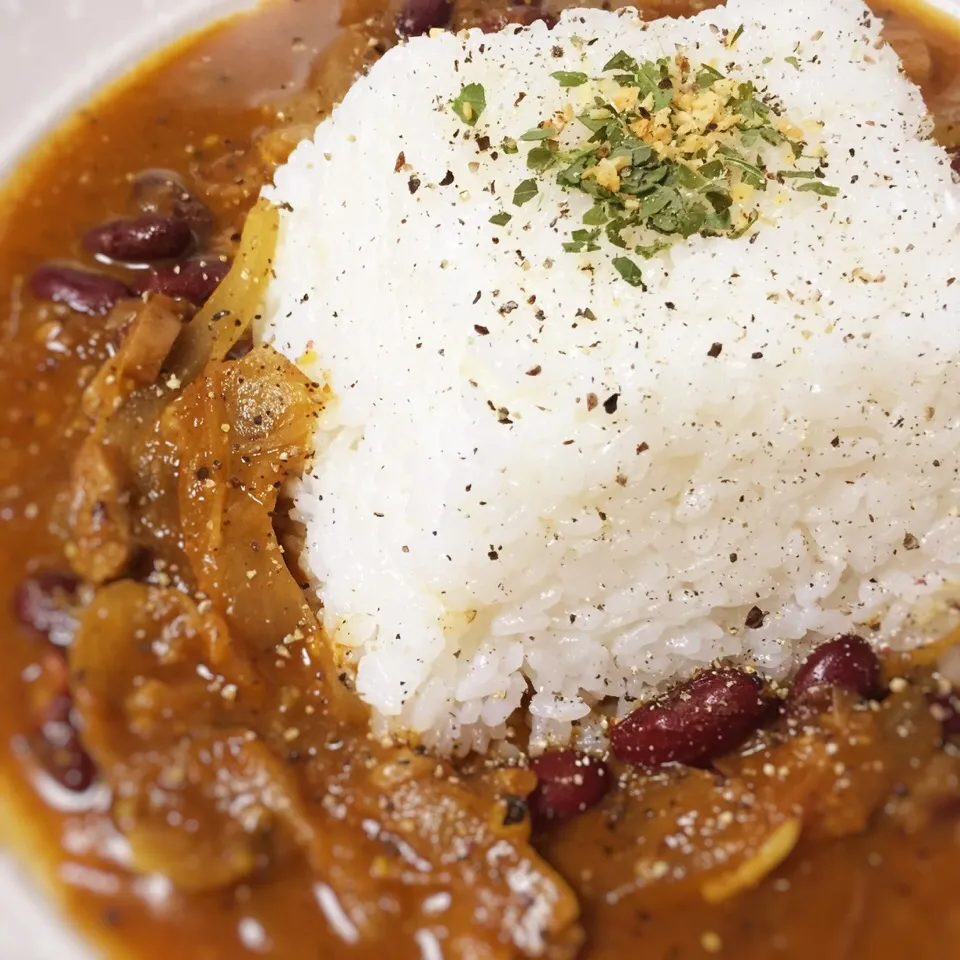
(185, 767)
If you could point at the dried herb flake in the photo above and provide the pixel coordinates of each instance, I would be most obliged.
(818, 187)
(629, 271)
(525, 191)
(569, 78)
(470, 104)
(539, 133)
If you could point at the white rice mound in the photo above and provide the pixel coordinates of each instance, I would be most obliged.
(476, 531)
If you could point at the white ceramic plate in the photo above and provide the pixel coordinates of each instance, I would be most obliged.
(54, 54)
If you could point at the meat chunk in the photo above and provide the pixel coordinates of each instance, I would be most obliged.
(101, 527)
(145, 332)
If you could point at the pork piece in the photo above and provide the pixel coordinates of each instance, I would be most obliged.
(101, 543)
(145, 332)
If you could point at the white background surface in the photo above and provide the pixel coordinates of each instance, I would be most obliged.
(54, 53)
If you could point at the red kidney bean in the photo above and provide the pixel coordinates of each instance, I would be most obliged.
(568, 783)
(44, 603)
(698, 720)
(57, 749)
(521, 16)
(81, 290)
(194, 279)
(847, 662)
(421, 16)
(165, 192)
(144, 239)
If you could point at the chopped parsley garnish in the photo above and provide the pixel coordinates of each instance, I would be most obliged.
(678, 151)
(501, 219)
(540, 159)
(470, 104)
(539, 133)
(583, 240)
(652, 250)
(629, 271)
(750, 173)
(621, 61)
(524, 192)
(567, 78)
(793, 61)
(596, 214)
(817, 186)
(707, 77)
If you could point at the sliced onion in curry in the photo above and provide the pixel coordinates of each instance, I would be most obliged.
(228, 314)
(241, 431)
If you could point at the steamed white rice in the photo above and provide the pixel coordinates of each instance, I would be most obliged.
(476, 532)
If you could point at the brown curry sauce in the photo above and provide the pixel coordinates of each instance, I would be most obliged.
(329, 869)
